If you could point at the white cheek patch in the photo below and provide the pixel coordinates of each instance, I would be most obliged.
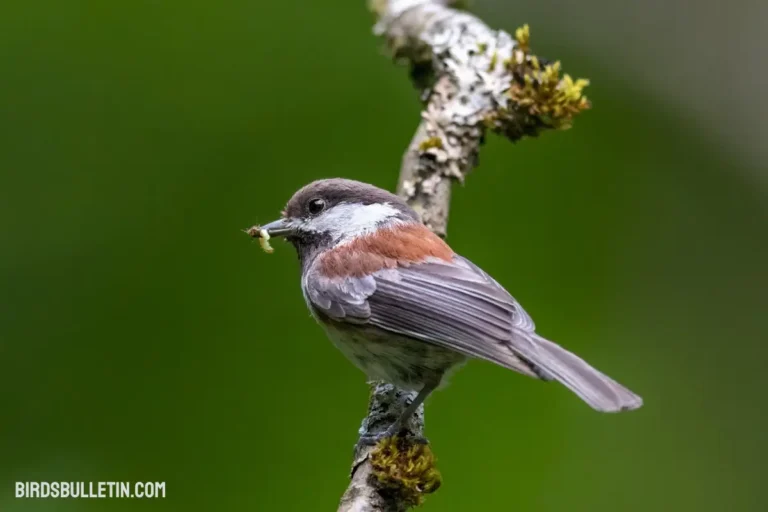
(345, 221)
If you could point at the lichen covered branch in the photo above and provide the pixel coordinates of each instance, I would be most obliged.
(473, 79)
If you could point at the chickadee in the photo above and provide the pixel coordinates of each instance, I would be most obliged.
(406, 309)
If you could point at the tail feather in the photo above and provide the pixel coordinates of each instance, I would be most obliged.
(597, 389)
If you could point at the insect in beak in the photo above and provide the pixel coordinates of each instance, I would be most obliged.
(281, 227)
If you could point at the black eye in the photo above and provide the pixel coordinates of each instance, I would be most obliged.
(315, 206)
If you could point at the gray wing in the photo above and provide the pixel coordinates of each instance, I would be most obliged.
(458, 306)
(340, 299)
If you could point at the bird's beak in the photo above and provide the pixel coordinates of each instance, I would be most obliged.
(281, 227)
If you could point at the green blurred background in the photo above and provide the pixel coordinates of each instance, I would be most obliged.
(144, 337)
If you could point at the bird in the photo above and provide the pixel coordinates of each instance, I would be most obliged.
(406, 309)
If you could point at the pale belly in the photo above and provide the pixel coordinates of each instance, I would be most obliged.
(399, 360)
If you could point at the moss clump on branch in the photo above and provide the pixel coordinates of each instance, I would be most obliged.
(538, 88)
(405, 468)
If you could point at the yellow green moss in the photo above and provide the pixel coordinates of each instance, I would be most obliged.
(431, 142)
(541, 91)
(462, 5)
(494, 61)
(523, 38)
(378, 7)
(490, 120)
(405, 468)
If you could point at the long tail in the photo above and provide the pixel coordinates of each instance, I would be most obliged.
(597, 389)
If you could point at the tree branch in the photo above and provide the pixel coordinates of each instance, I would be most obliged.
(473, 79)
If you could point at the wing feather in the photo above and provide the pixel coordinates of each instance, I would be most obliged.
(458, 306)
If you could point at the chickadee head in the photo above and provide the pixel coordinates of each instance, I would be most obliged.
(335, 211)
